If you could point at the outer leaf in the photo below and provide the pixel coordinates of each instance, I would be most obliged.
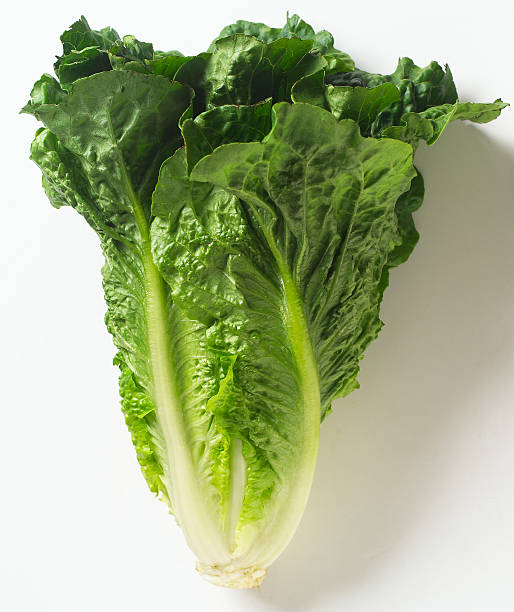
(139, 412)
(80, 36)
(193, 73)
(430, 124)
(45, 91)
(311, 90)
(290, 60)
(112, 99)
(66, 184)
(407, 204)
(258, 30)
(167, 65)
(79, 64)
(419, 89)
(238, 71)
(222, 125)
(323, 42)
(84, 52)
(103, 131)
(172, 366)
(320, 207)
(244, 70)
(362, 104)
(130, 54)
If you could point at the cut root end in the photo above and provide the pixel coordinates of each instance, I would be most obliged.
(232, 578)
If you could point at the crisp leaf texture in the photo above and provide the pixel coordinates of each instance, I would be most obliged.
(428, 125)
(250, 202)
(84, 52)
(224, 124)
(322, 42)
(319, 192)
(99, 154)
(419, 88)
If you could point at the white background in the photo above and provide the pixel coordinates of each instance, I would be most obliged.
(412, 508)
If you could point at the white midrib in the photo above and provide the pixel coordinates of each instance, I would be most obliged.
(292, 498)
(198, 521)
(199, 524)
(289, 505)
(210, 541)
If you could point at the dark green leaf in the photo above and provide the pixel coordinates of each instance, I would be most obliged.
(45, 91)
(130, 54)
(361, 104)
(79, 64)
(222, 125)
(430, 124)
(407, 204)
(320, 194)
(167, 65)
(97, 123)
(419, 89)
(84, 52)
(322, 42)
(311, 90)
(79, 36)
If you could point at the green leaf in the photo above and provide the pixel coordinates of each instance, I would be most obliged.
(141, 420)
(130, 54)
(238, 72)
(419, 89)
(167, 65)
(258, 30)
(84, 52)
(101, 155)
(361, 104)
(243, 70)
(193, 73)
(274, 263)
(80, 36)
(111, 100)
(290, 60)
(79, 64)
(45, 91)
(311, 89)
(430, 124)
(222, 125)
(322, 42)
(252, 63)
(321, 193)
(218, 273)
(406, 205)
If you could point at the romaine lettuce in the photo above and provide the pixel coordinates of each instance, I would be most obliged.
(249, 202)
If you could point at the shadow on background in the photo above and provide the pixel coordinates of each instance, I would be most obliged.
(448, 315)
